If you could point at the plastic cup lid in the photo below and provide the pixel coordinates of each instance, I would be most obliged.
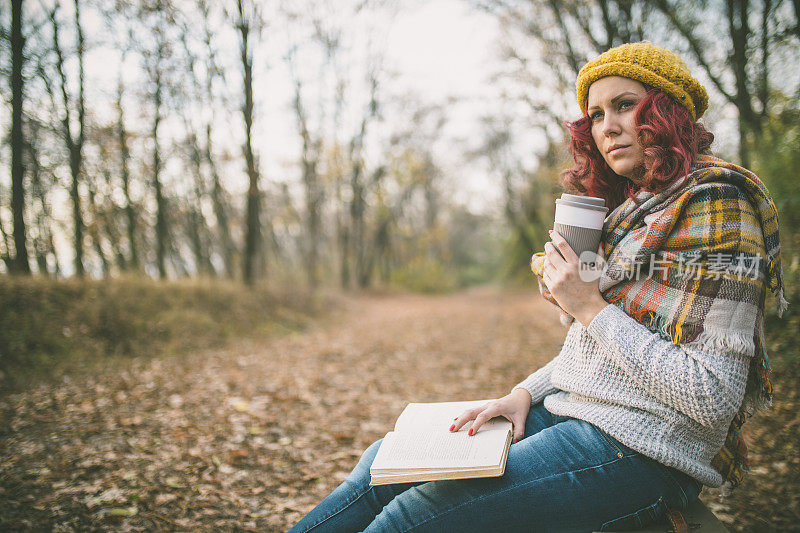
(581, 205)
(591, 200)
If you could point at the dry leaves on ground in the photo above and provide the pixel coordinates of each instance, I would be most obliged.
(252, 437)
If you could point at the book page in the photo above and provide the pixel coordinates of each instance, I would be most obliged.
(415, 450)
(440, 416)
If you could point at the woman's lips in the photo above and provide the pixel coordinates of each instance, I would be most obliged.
(617, 150)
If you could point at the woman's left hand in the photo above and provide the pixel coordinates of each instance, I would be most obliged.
(581, 299)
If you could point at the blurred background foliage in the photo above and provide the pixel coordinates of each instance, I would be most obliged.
(137, 148)
(48, 328)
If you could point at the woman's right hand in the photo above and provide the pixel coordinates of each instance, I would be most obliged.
(514, 407)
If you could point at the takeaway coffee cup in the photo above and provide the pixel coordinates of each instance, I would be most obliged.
(579, 219)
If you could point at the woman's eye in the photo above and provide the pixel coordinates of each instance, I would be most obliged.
(625, 104)
(594, 116)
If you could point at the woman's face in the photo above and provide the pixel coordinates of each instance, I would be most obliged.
(611, 105)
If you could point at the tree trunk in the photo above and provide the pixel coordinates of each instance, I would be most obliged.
(310, 160)
(383, 247)
(313, 235)
(124, 157)
(219, 200)
(342, 234)
(357, 206)
(220, 209)
(252, 237)
(6, 254)
(358, 201)
(740, 31)
(43, 246)
(21, 262)
(94, 232)
(735, 14)
(253, 194)
(161, 221)
(198, 250)
(77, 214)
(76, 161)
(195, 219)
(111, 229)
(42, 243)
(74, 145)
(344, 247)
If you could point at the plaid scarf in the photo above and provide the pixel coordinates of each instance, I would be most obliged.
(693, 263)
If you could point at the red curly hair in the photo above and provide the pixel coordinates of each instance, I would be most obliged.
(670, 140)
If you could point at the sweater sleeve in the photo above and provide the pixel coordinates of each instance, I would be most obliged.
(707, 386)
(538, 384)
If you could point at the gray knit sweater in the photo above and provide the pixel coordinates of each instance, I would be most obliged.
(670, 402)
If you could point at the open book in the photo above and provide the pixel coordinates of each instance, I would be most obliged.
(422, 447)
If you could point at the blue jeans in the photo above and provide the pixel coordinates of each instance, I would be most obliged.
(565, 475)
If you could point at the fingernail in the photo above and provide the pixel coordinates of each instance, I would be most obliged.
(470, 431)
(452, 427)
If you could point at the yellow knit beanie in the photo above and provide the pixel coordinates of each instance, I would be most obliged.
(648, 64)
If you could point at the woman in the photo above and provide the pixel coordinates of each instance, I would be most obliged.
(644, 402)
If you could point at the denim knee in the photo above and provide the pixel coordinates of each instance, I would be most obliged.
(360, 472)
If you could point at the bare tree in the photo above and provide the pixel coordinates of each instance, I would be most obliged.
(196, 223)
(412, 171)
(41, 181)
(247, 17)
(565, 36)
(329, 33)
(112, 216)
(74, 140)
(219, 199)
(95, 226)
(747, 58)
(155, 66)
(8, 260)
(20, 263)
(358, 185)
(337, 182)
(133, 261)
(309, 156)
(218, 194)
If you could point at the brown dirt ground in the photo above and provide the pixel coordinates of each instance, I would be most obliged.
(251, 437)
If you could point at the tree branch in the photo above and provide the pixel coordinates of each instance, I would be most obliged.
(695, 45)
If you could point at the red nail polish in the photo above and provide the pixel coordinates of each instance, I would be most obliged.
(452, 427)
(470, 431)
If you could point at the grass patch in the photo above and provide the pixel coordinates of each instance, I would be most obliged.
(51, 327)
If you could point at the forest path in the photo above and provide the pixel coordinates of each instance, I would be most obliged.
(252, 436)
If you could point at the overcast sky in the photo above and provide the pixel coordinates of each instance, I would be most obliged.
(445, 48)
